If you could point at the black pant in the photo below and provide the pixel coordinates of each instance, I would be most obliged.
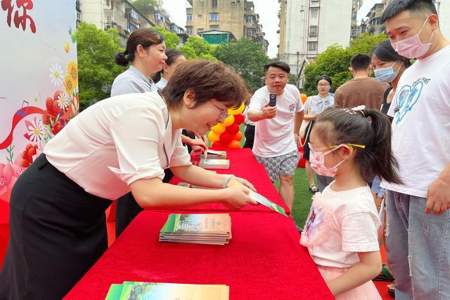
(57, 232)
(249, 136)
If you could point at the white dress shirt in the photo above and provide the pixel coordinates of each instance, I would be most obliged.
(117, 141)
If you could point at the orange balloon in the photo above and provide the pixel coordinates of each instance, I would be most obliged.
(213, 136)
(303, 97)
(234, 145)
(228, 120)
(218, 128)
(238, 136)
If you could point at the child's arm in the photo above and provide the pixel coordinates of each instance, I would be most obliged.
(367, 269)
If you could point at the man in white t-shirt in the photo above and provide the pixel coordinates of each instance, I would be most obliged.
(277, 112)
(418, 234)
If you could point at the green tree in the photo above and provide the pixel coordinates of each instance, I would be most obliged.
(197, 47)
(335, 61)
(146, 7)
(97, 69)
(365, 43)
(247, 58)
(170, 38)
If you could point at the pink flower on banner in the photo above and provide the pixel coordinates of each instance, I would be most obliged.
(8, 176)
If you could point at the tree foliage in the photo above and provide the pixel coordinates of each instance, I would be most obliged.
(247, 58)
(146, 7)
(335, 61)
(170, 38)
(97, 68)
(197, 47)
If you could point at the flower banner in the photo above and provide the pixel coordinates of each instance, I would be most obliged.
(39, 80)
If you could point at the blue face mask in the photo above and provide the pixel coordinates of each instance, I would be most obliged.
(387, 74)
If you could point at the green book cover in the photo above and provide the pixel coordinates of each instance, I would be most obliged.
(114, 292)
(197, 223)
(173, 291)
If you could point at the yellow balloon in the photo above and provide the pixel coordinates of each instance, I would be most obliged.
(236, 111)
(228, 121)
(213, 137)
(218, 128)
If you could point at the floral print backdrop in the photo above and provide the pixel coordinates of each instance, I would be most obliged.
(39, 80)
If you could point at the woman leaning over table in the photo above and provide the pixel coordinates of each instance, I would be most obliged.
(120, 144)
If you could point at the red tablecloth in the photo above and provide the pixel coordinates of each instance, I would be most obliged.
(244, 164)
(264, 260)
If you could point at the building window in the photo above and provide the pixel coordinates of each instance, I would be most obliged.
(199, 30)
(214, 17)
(189, 30)
(313, 31)
(132, 27)
(314, 12)
(189, 18)
(214, 3)
(312, 46)
(214, 27)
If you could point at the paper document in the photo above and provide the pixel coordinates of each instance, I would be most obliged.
(266, 202)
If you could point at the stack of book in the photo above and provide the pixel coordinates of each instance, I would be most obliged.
(214, 154)
(130, 290)
(214, 164)
(211, 229)
(214, 159)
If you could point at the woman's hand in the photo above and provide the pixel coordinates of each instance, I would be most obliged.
(234, 180)
(238, 196)
(197, 144)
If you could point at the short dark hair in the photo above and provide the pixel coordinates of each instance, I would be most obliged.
(208, 80)
(395, 7)
(370, 128)
(143, 36)
(384, 52)
(324, 77)
(172, 55)
(360, 62)
(278, 64)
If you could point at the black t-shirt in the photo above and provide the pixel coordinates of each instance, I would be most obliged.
(385, 105)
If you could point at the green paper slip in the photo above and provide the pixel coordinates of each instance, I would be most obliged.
(266, 202)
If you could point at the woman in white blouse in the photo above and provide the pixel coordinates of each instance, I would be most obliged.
(120, 144)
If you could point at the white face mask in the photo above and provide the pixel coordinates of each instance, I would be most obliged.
(412, 47)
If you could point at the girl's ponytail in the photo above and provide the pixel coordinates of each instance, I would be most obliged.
(368, 128)
(379, 151)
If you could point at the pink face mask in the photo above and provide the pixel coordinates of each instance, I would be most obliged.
(317, 162)
(412, 47)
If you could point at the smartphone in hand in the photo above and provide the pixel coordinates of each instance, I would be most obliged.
(272, 100)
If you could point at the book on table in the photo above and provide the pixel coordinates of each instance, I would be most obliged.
(213, 163)
(212, 229)
(130, 290)
(266, 202)
(214, 154)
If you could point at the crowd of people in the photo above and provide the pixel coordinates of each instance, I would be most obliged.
(375, 144)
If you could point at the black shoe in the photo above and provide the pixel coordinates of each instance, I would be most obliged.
(391, 290)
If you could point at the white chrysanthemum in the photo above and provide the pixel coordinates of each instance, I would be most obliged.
(56, 75)
(64, 101)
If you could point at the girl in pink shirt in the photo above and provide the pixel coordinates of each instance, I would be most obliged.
(352, 145)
